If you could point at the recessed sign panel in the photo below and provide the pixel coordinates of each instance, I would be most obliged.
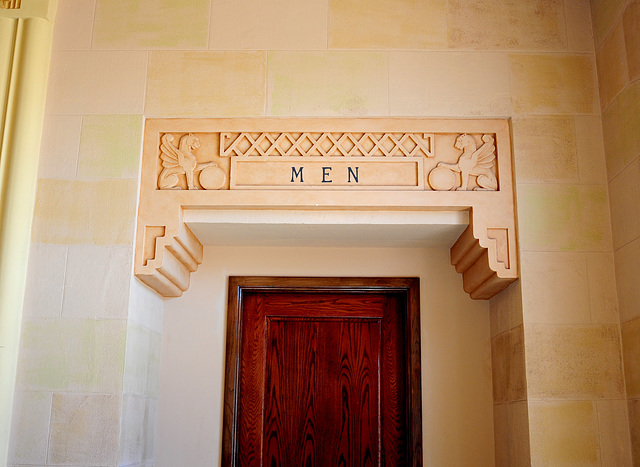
(327, 173)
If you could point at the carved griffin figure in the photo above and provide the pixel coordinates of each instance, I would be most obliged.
(475, 161)
(179, 160)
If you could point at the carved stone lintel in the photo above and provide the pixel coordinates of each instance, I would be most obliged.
(11, 4)
(179, 161)
(169, 259)
(334, 164)
(410, 154)
(483, 261)
(474, 161)
(326, 144)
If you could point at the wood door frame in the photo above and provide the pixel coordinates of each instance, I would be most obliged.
(238, 285)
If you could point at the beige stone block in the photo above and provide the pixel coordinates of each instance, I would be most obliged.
(501, 434)
(563, 434)
(563, 217)
(553, 84)
(98, 212)
(59, 149)
(634, 424)
(545, 149)
(96, 82)
(498, 316)
(605, 14)
(430, 83)
(620, 126)
(507, 362)
(146, 307)
(590, 149)
(74, 25)
(519, 445)
(97, 282)
(500, 367)
(142, 361)
(337, 83)
(569, 362)
(613, 424)
(151, 426)
(84, 429)
(517, 375)
(153, 376)
(631, 25)
(148, 24)
(611, 58)
(504, 24)
(132, 430)
(627, 261)
(603, 298)
(579, 30)
(385, 24)
(45, 281)
(514, 301)
(77, 355)
(228, 84)
(506, 309)
(275, 25)
(30, 428)
(563, 278)
(110, 146)
(631, 352)
(624, 196)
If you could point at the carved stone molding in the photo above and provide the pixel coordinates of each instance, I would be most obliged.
(326, 144)
(338, 164)
(170, 255)
(10, 4)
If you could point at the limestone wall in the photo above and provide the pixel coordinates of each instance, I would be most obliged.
(617, 28)
(89, 353)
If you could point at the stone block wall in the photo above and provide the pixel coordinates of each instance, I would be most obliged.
(617, 28)
(89, 348)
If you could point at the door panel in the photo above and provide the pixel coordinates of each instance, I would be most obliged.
(322, 379)
(322, 392)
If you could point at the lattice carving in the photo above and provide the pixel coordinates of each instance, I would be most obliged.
(11, 4)
(327, 144)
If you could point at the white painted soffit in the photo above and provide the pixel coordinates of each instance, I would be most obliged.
(359, 229)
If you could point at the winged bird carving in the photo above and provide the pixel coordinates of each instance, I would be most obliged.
(475, 161)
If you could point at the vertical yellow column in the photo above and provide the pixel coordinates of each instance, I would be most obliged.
(25, 47)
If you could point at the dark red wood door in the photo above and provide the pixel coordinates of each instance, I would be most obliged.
(322, 380)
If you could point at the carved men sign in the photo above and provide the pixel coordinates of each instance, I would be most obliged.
(298, 176)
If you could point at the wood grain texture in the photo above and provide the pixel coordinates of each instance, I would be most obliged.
(394, 384)
(322, 392)
(251, 381)
(323, 377)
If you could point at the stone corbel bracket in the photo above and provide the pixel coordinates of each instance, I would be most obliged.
(326, 164)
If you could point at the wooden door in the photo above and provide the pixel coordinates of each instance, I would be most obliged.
(322, 373)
